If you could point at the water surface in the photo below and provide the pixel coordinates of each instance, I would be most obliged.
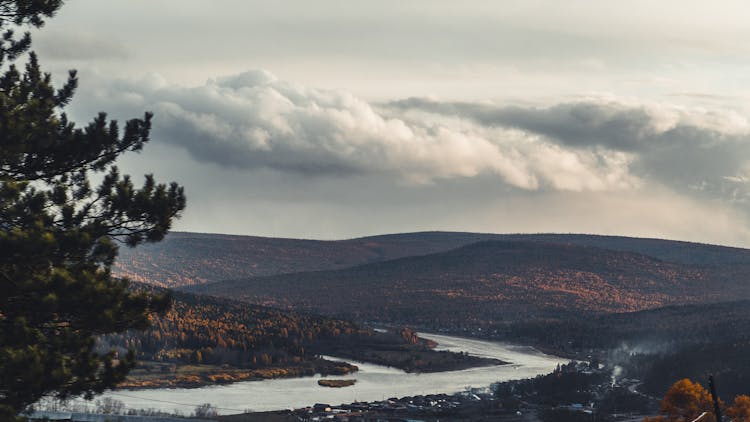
(374, 382)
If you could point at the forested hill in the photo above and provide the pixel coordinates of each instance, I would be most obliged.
(491, 281)
(721, 322)
(202, 329)
(191, 258)
(657, 346)
(689, 253)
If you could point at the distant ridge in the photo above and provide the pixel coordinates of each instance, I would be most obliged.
(490, 281)
(194, 258)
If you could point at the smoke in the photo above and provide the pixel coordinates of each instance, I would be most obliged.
(616, 374)
(632, 359)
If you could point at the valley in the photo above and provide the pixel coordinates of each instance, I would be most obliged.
(253, 309)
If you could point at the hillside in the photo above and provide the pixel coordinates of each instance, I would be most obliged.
(640, 330)
(487, 282)
(219, 340)
(657, 346)
(192, 258)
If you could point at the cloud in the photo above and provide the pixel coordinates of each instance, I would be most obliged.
(254, 120)
(322, 163)
(690, 150)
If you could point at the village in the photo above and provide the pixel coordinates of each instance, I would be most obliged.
(575, 392)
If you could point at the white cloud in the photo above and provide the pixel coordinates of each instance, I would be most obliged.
(254, 120)
(692, 150)
(559, 161)
(264, 156)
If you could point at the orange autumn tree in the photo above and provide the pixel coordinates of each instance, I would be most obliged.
(739, 411)
(684, 402)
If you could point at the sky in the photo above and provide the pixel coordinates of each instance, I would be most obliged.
(337, 119)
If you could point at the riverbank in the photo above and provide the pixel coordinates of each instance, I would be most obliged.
(410, 358)
(465, 406)
(576, 392)
(374, 382)
(151, 375)
(399, 348)
(404, 349)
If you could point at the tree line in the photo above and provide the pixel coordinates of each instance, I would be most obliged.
(207, 330)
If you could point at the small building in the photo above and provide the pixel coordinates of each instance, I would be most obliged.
(321, 407)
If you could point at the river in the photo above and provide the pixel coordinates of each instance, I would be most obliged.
(374, 382)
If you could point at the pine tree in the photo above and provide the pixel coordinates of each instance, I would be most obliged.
(59, 234)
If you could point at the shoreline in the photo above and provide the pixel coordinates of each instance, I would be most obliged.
(212, 375)
(331, 359)
(375, 382)
(218, 376)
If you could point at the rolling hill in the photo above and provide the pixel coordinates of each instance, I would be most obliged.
(491, 281)
(192, 258)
